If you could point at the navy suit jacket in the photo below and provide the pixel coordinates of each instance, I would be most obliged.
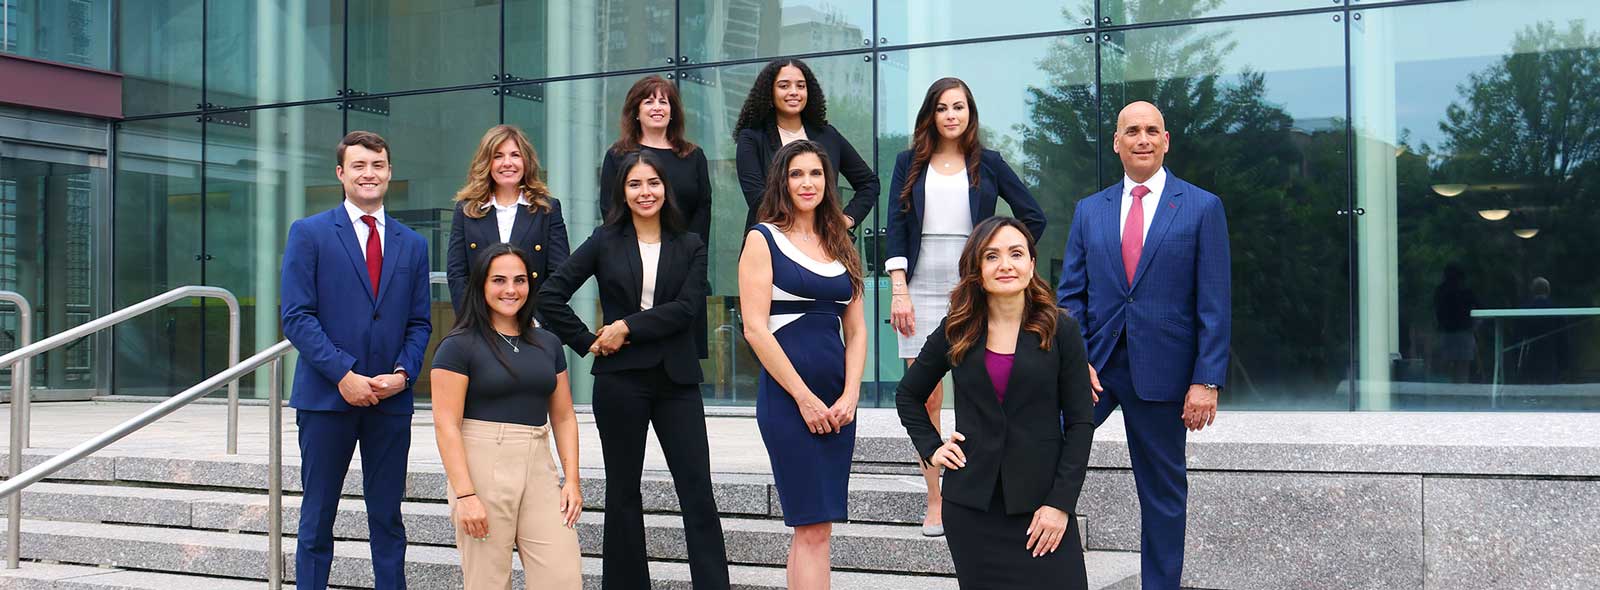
(1177, 314)
(331, 316)
(996, 181)
(543, 236)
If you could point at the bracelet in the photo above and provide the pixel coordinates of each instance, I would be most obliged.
(465, 496)
(897, 294)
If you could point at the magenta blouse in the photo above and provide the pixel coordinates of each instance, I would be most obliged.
(999, 366)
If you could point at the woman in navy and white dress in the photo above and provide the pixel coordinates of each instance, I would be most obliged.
(800, 292)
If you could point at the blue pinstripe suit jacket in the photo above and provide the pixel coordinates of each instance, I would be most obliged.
(1177, 313)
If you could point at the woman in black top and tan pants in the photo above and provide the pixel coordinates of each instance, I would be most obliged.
(1024, 418)
(499, 389)
(652, 280)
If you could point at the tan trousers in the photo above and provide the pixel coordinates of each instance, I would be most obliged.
(520, 488)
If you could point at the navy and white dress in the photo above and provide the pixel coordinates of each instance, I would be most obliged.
(811, 471)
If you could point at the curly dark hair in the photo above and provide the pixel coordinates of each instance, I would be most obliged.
(759, 112)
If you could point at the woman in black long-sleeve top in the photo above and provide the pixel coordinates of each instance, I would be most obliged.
(652, 121)
(503, 200)
(1014, 466)
(652, 280)
(785, 104)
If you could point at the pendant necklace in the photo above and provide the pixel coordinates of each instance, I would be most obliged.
(509, 342)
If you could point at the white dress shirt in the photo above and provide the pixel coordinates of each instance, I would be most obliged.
(650, 259)
(1156, 184)
(505, 215)
(361, 227)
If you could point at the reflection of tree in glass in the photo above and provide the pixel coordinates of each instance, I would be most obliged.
(1281, 180)
(1529, 123)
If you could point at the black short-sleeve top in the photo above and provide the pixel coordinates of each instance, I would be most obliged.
(518, 395)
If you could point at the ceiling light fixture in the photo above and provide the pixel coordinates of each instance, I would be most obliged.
(1494, 214)
(1526, 233)
(1449, 190)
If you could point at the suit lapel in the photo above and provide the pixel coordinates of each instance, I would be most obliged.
(1110, 215)
(519, 225)
(919, 199)
(1165, 211)
(669, 249)
(393, 253)
(346, 234)
(973, 212)
(629, 242)
(1027, 347)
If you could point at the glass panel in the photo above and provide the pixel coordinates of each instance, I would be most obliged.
(159, 53)
(1265, 130)
(264, 169)
(1145, 11)
(1025, 111)
(721, 30)
(431, 141)
(273, 51)
(554, 38)
(76, 32)
(713, 97)
(1479, 152)
(423, 44)
(49, 209)
(903, 22)
(158, 206)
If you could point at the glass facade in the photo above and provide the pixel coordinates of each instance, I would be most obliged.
(76, 32)
(1411, 187)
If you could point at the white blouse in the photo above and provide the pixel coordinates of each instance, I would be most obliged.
(650, 256)
(945, 208)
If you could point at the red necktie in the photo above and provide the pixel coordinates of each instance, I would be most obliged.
(375, 251)
(1133, 232)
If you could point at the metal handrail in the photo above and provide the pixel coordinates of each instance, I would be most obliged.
(438, 278)
(274, 355)
(20, 429)
(127, 313)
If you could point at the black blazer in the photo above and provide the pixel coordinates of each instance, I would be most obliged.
(757, 146)
(996, 181)
(690, 179)
(660, 335)
(542, 235)
(1021, 441)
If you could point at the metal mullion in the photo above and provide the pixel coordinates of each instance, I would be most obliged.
(1352, 249)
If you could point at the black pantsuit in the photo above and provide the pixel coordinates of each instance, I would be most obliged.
(1032, 450)
(652, 380)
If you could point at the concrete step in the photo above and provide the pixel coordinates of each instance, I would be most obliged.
(755, 541)
(881, 499)
(49, 576)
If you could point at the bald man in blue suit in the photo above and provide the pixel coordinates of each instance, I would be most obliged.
(1146, 274)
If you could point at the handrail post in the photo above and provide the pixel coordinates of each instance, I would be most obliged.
(20, 396)
(233, 386)
(275, 475)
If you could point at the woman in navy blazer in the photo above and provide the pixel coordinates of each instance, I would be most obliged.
(943, 186)
(786, 104)
(504, 201)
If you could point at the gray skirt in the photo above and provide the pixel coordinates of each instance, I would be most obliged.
(937, 272)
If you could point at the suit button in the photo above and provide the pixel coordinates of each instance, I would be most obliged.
(1130, 300)
(538, 247)
(374, 316)
(536, 274)
(473, 245)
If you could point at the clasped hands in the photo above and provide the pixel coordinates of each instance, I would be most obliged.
(610, 338)
(824, 419)
(361, 391)
(1049, 524)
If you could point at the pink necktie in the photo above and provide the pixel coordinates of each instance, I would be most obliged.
(1133, 232)
(375, 251)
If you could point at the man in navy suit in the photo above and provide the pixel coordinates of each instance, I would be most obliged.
(1146, 274)
(356, 304)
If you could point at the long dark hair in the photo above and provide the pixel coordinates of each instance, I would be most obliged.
(968, 318)
(476, 319)
(926, 137)
(671, 217)
(828, 221)
(759, 112)
(631, 132)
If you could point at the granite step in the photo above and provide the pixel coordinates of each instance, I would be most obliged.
(50, 576)
(755, 541)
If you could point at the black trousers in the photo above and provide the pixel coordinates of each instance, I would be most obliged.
(990, 550)
(626, 405)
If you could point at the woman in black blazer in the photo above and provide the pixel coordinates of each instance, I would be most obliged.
(504, 201)
(942, 186)
(652, 279)
(1024, 418)
(785, 104)
(652, 121)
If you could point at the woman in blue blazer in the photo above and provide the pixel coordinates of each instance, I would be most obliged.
(943, 186)
(504, 201)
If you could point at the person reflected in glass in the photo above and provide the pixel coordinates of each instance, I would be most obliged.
(651, 273)
(500, 390)
(504, 200)
(786, 104)
(1454, 346)
(944, 184)
(1024, 418)
(800, 292)
(652, 122)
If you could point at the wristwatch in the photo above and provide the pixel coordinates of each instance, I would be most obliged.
(1211, 386)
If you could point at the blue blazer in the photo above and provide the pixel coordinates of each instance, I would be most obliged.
(542, 235)
(1177, 314)
(330, 315)
(996, 181)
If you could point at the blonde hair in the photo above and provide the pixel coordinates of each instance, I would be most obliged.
(479, 188)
